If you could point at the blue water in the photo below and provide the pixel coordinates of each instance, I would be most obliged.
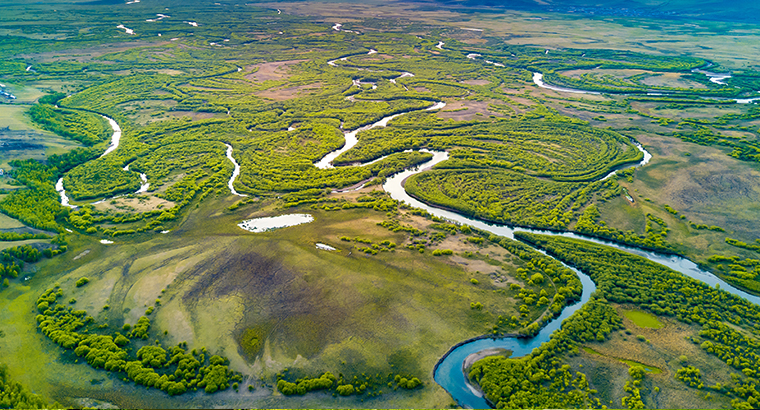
(449, 371)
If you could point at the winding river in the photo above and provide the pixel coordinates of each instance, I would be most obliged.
(115, 140)
(538, 79)
(235, 172)
(351, 140)
(449, 371)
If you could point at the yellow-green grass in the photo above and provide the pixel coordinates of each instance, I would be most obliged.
(10, 244)
(6, 222)
(706, 187)
(642, 319)
(630, 363)
(311, 310)
(42, 143)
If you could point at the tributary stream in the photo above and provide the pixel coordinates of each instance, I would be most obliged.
(449, 371)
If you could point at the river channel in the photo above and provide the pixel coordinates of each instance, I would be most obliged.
(449, 371)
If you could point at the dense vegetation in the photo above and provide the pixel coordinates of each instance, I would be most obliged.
(87, 128)
(12, 259)
(744, 273)
(15, 396)
(625, 278)
(174, 371)
(281, 90)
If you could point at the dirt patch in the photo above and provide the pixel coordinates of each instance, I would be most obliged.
(466, 110)
(277, 70)
(671, 80)
(136, 204)
(476, 82)
(84, 55)
(281, 94)
(379, 57)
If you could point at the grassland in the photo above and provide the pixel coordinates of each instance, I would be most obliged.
(278, 307)
(642, 319)
(357, 305)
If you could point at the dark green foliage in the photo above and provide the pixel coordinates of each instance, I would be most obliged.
(174, 371)
(38, 205)
(85, 127)
(740, 244)
(99, 178)
(625, 278)
(691, 376)
(567, 283)
(52, 99)
(26, 253)
(345, 390)
(633, 399)
(16, 236)
(540, 379)
(588, 224)
(12, 259)
(140, 330)
(742, 272)
(15, 396)
(303, 386)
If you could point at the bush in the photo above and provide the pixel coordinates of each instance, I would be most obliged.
(345, 390)
(82, 281)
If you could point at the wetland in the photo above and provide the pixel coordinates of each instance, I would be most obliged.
(255, 206)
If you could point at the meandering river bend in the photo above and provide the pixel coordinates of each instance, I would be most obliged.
(449, 371)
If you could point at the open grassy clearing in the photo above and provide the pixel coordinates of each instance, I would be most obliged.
(273, 301)
(20, 139)
(391, 312)
(642, 319)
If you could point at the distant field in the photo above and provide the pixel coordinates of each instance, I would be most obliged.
(642, 319)
(216, 87)
(24, 140)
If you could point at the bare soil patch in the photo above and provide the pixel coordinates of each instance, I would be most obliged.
(277, 70)
(671, 80)
(281, 94)
(466, 110)
(137, 204)
(476, 82)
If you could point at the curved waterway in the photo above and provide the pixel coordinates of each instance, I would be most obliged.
(235, 172)
(352, 140)
(538, 79)
(115, 139)
(449, 371)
